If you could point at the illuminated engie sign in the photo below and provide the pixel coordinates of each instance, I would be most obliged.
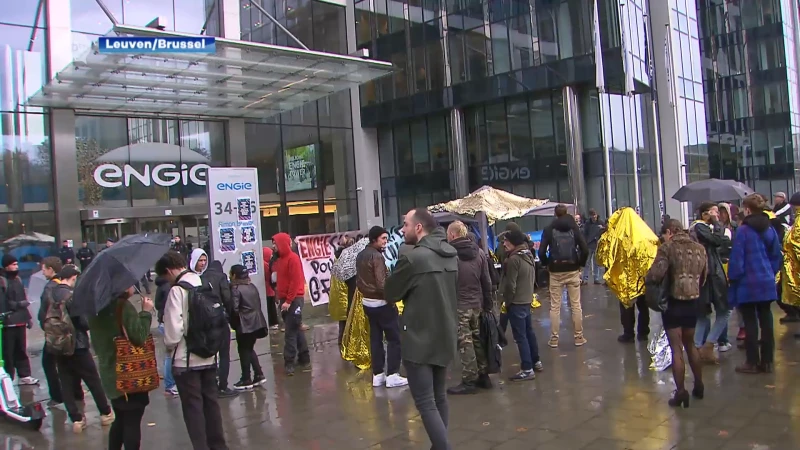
(166, 175)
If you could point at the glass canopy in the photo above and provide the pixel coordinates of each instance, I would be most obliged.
(242, 79)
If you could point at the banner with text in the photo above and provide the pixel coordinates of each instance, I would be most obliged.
(318, 251)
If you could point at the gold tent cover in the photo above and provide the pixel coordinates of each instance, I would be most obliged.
(790, 273)
(495, 203)
(627, 250)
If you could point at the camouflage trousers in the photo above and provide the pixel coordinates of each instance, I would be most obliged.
(470, 348)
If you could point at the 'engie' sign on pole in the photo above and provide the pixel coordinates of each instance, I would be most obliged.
(234, 222)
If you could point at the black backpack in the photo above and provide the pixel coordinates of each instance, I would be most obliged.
(207, 329)
(563, 248)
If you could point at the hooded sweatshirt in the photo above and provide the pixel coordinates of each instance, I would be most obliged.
(196, 254)
(291, 283)
(564, 223)
(267, 253)
(755, 260)
(474, 283)
(215, 277)
(175, 313)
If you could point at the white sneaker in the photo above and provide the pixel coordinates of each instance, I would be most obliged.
(28, 381)
(395, 380)
(378, 380)
(724, 347)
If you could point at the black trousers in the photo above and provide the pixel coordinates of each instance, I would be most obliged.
(272, 312)
(198, 395)
(51, 375)
(127, 427)
(224, 362)
(384, 321)
(295, 347)
(15, 352)
(627, 316)
(74, 369)
(758, 315)
(245, 343)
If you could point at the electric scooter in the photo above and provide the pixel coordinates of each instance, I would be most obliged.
(30, 415)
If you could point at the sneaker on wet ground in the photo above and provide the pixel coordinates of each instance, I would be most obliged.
(538, 367)
(107, 419)
(523, 375)
(226, 393)
(579, 341)
(242, 385)
(395, 380)
(171, 392)
(724, 347)
(258, 380)
(378, 380)
(553, 342)
(289, 371)
(626, 338)
(79, 426)
(28, 381)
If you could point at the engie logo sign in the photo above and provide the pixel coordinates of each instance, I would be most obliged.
(234, 186)
(166, 175)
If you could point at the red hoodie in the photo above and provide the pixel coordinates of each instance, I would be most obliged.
(267, 253)
(291, 281)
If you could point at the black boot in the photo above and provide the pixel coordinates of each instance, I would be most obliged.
(626, 338)
(484, 382)
(462, 389)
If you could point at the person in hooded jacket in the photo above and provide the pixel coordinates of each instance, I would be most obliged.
(474, 296)
(709, 233)
(516, 290)
(250, 325)
(163, 286)
(564, 273)
(290, 290)
(213, 275)
(755, 260)
(79, 366)
(15, 352)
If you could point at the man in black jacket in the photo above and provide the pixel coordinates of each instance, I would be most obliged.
(474, 295)
(85, 256)
(15, 352)
(593, 229)
(79, 366)
(66, 254)
(564, 251)
(215, 276)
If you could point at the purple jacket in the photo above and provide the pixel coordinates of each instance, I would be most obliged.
(755, 260)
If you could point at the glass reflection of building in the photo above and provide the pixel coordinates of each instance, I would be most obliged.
(506, 90)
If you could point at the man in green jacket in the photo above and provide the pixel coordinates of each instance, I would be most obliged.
(425, 279)
(516, 289)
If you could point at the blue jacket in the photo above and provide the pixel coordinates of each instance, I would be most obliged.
(755, 260)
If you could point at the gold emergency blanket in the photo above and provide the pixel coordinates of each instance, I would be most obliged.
(337, 300)
(627, 250)
(355, 341)
(495, 203)
(790, 273)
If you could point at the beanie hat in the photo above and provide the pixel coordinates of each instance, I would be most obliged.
(8, 260)
(781, 194)
(515, 237)
(513, 226)
(795, 201)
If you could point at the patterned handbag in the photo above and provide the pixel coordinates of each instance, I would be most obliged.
(136, 368)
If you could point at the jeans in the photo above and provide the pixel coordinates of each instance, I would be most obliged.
(15, 352)
(705, 332)
(428, 386)
(224, 361)
(384, 321)
(127, 427)
(592, 268)
(169, 380)
(572, 282)
(245, 344)
(74, 369)
(521, 327)
(201, 413)
(758, 315)
(295, 348)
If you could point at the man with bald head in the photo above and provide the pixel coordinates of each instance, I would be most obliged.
(425, 279)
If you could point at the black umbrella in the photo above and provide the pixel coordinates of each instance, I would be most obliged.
(117, 268)
(712, 190)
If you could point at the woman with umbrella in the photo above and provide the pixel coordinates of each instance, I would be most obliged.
(103, 292)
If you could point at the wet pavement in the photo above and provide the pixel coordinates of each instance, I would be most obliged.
(600, 396)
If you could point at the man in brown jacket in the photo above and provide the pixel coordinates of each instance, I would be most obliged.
(383, 317)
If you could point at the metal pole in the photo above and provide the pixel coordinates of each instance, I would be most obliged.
(278, 24)
(107, 12)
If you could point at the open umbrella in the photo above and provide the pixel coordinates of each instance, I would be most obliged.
(117, 268)
(712, 190)
(345, 266)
